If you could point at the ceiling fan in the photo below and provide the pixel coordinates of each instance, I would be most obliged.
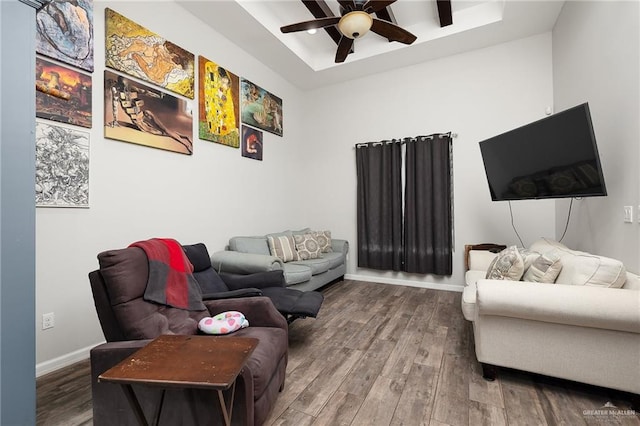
(356, 21)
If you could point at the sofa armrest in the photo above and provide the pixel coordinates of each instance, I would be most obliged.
(106, 355)
(259, 310)
(244, 263)
(231, 294)
(582, 306)
(341, 246)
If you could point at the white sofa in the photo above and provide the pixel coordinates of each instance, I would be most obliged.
(576, 328)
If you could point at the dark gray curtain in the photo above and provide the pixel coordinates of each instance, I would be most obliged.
(427, 205)
(379, 209)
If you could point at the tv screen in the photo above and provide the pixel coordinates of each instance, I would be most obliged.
(555, 157)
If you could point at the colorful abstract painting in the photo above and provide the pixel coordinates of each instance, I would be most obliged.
(219, 116)
(137, 113)
(62, 94)
(260, 108)
(136, 51)
(251, 143)
(64, 31)
(62, 166)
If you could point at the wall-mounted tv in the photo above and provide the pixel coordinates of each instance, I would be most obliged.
(555, 157)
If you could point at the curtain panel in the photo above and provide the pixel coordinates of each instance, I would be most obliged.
(428, 206)
(379, 208)
(410, 232)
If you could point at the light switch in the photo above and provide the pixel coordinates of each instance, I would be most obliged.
(628, 214)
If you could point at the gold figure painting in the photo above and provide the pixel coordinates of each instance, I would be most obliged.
(136, 51)
(137, 113)
(218, 106)
(62, 94)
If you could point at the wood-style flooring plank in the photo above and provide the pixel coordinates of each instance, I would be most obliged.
(384, 355)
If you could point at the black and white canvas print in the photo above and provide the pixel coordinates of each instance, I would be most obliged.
(62, 166)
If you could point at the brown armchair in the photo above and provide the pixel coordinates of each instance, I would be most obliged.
(129, 322)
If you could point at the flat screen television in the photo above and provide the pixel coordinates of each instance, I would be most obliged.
(555, 157)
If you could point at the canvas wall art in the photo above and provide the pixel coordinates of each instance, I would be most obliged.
(143, 54)
(260, 108)
(64, 31)
(62, 166)
(137, 113)
(218, 104)
(73, 85)
(252, 143)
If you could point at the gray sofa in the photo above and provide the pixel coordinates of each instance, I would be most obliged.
(246, 255)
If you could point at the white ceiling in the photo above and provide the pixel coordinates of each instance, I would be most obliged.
(307, 60)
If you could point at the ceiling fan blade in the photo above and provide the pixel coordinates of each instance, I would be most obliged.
(392, 32)
(348, 5)
(344, 48)
(373, 6)
(308, 25)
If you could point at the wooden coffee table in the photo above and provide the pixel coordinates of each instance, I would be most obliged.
(184, 362)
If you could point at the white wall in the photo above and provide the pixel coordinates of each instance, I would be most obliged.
(477, 94)
(138, 192)
(596, 59)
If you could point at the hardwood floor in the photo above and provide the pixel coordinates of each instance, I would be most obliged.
(385, 355)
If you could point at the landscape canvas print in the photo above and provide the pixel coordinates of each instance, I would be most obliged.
(137, 113)
(218, 105)
(260, 108)
(76, 86)
(143, 54)
(64, 31)
(251, 143)
(62, 166)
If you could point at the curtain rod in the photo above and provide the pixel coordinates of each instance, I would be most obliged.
(450, 134)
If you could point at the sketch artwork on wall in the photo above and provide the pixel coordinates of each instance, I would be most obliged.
(260, 108)
(218, 109)
(72, 85)
(251, 143)
(138, 52)
(64, 31)
(62, 166)
(137, 113)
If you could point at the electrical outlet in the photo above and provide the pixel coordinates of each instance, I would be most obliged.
(628, 214)
(48, 320)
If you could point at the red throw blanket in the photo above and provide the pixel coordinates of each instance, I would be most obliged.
(170, 275)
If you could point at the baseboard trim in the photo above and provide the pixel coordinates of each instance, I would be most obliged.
(396, 281)
(63, 361)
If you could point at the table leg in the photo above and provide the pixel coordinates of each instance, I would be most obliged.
(227, 411)
(135, 404)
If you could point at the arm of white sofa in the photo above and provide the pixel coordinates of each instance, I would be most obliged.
(236, 262)
(583, 306)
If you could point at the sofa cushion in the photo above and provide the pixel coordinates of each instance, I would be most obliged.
(580, 268)
(295, 273)
(317, 266)
(307, 246)
(335, 259)
(508, 265)
(544, 269)
(256, 245)
(283, 247)
(528, 257)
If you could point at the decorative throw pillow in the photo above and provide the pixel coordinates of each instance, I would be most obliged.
(223, 323)
(528, 257)
(324, 240)
(283, 247)
(508, 265)
(307, 246)
(544, 269)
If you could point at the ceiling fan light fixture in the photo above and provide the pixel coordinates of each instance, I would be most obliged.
(355, 24)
